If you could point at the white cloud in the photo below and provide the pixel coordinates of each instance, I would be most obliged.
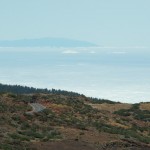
(70, 52)
(92, 52)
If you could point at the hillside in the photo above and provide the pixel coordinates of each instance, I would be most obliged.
(71, 122)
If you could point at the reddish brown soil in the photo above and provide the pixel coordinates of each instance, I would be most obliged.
(63, 145)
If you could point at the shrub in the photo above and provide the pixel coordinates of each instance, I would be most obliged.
(123, 112)
(25, 125)
(3, 107)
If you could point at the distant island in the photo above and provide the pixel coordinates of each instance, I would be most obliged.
(46, 42)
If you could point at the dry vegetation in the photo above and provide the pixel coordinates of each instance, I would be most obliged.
(145, 106)
(111, 107)
(72, 123)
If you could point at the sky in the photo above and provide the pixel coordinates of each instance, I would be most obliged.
(104, 22)
(119, 67)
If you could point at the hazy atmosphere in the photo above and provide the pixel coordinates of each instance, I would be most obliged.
(107, 54)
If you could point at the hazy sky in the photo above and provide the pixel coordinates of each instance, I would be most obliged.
(104, 22)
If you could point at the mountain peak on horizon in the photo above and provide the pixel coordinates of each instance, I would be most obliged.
(46, 42)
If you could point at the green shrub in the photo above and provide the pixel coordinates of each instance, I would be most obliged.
(3, 107)
(123, 112)
(25, 125)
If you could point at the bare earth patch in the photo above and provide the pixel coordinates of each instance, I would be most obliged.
(89, 136)
(63, 145)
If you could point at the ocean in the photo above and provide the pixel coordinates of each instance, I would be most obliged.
(115, 73)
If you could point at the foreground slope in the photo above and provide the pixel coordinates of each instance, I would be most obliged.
(72, 122)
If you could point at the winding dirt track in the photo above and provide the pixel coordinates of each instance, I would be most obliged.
(36, 108)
